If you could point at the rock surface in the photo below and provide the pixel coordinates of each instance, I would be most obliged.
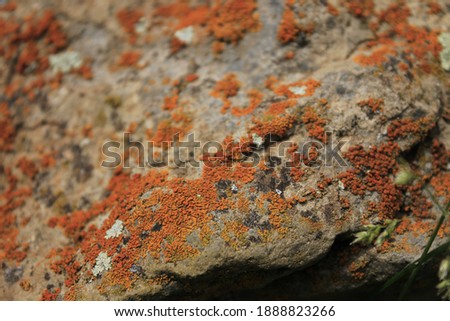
(258, 77)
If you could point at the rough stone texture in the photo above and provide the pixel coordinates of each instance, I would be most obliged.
(250, 228)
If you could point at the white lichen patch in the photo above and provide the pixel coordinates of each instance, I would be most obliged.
(185, 35)
(234, 188)
(257, 140)
(102, 263)
(141, 26)
(115, 230)
(444, 39)
(65, 61)
(298, 90)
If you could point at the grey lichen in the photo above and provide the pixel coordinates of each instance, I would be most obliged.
(115, 230)
(65, 61)
(444, 39)
(102, 263)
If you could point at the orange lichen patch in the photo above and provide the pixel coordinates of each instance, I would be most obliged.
(11, 199)
(191, 77)
(171, 102)
(27, 167)
(48, 160)
(315, 125)
(375, 105)
(372, 173)
(441, 156)
(332, 10)
(255, 98)
(405, 127)
(231, 19)
(226, 88)
(441, 185)
(67, 264)
(186, 15)
(416, 202)
(129, 59)
(50, 295)
(417, 46)
(434, 7)
(289, 55)
(376, 58)
(166, 132)
(270, 82)
(360, 8)
(128, 19)
(215, 171)
(27, 43)
(279, 108)
(234, 233)
(8, 7)
(84, 71)
(395, 14)
(26, 285)
(8, 132)
(289, 25)
(309, 87)
(278, 126)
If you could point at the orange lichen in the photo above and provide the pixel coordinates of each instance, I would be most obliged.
(11, 199)
(360, 8)
(27, 167)
(191, 77)
(129, 59)
(226, 88)
(255, 98)
(405, 127)
(309, 86)
(418, 46)
(231, 19)
(269, 126)
(7, 133)
(441, 185)
(171, 102)
(434, 7)
(371, 173)
(279, 108)
(128, 18)
(50, 295)
(289, 25)
(374, 104)
(376, 58)
(315, 125)
(332, 10)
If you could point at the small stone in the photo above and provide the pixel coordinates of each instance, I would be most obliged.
(185, 35)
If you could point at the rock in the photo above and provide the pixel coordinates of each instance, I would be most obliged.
(303, 113)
